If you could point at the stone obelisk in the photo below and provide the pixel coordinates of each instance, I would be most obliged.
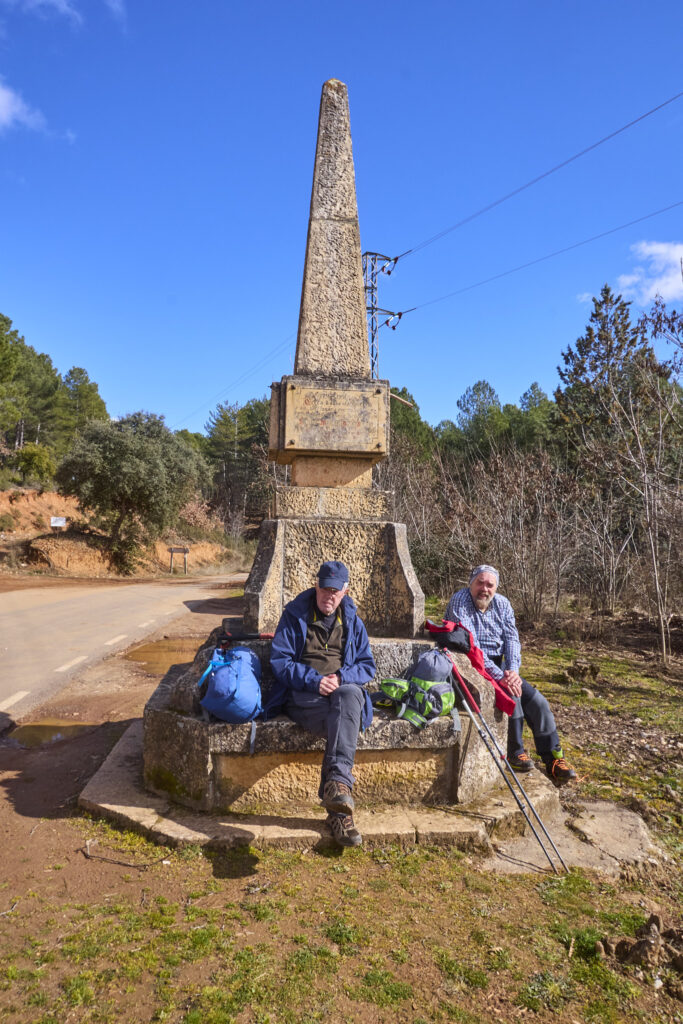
(329, 422)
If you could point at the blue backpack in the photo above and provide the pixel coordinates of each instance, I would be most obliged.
(230, 687)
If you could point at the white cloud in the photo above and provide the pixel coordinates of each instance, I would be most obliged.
(658, 273)
(62, 7)
(15, 111)
(117, 8)
(65, 8)
(584, 297)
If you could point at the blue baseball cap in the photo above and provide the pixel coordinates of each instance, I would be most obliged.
(333, 574)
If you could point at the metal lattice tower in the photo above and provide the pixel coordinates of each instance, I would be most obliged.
(375, 263)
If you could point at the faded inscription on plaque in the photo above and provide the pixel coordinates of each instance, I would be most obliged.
(330, 419)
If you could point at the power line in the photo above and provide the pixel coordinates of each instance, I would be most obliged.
(239, 380)
(541, 259)
(534, 181)
(390, 263)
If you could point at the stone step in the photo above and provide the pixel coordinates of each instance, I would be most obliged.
(116, 792)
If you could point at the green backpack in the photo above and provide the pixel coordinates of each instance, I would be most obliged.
(428, 694)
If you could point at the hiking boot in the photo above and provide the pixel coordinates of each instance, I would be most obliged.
(343, 830)
(559, 770)
(337, 797)
(521, 762)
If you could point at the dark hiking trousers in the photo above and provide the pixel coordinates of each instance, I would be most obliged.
(532, 707)
(337, 718)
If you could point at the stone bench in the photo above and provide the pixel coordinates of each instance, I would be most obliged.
(207, 765)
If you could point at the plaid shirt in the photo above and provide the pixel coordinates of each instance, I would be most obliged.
(494, 630)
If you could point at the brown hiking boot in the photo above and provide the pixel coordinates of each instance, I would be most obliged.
(337, 797)
(343, 830)
(521, 762)
(559, 770)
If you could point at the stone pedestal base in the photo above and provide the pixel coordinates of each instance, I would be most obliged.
(208, 767)
(383, 582)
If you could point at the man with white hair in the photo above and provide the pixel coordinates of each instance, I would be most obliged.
(321, 658)
(491, 620)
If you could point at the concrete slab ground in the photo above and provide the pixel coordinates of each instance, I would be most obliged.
(597, 835)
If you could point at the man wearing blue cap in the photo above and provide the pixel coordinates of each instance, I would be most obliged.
(491, 620)
(320, 659)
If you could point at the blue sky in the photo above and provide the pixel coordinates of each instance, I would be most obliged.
(155, 174)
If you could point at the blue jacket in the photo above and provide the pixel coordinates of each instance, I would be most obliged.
(358, 666)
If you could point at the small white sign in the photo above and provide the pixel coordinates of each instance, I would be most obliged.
(57, 520)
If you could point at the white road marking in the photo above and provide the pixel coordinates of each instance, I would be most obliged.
(115, 640)
(14, 699)
(70, 664)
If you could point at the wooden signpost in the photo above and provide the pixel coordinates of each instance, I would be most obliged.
(179, 551)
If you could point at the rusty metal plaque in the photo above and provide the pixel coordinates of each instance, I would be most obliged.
(330, 419)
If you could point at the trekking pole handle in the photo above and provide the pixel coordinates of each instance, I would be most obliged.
(249, 636)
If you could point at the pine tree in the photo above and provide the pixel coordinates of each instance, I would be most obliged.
(602, 364)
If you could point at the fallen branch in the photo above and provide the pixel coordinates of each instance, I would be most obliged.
(85, 850)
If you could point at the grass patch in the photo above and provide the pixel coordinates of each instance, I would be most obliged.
(567, 892)
(472, 977)
(545, 991)
(347, 937)
(625, 921)
(623, 686)
(382, 988)
(79, 990)
(292, 938)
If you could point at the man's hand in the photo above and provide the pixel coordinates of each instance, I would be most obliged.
(328, 684)
(513, 681)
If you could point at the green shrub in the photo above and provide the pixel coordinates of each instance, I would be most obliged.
(7, 523)
(545, 991)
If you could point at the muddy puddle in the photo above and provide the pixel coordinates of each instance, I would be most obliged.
(51, 730)
(158, 656)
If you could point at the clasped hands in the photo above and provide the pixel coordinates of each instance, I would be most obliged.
(513, 682)
(328, 684)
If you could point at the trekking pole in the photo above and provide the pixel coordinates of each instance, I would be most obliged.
(229, 638)
(490, 742)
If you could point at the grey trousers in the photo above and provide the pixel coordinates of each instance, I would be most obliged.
(337, 718)
(532, 708)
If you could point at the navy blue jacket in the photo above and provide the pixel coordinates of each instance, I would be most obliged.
(358, 666)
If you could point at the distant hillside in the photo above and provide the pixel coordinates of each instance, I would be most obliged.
(28, 544)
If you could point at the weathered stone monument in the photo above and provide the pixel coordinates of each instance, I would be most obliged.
(330, 425)
(329, 422)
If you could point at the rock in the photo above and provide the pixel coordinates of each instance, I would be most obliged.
(587, 693)
(653, 921)
(675, 960)
(623, 949)
(608, 946)
(647, 813)
(675, 989)
(673, 796)
(646, 951)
